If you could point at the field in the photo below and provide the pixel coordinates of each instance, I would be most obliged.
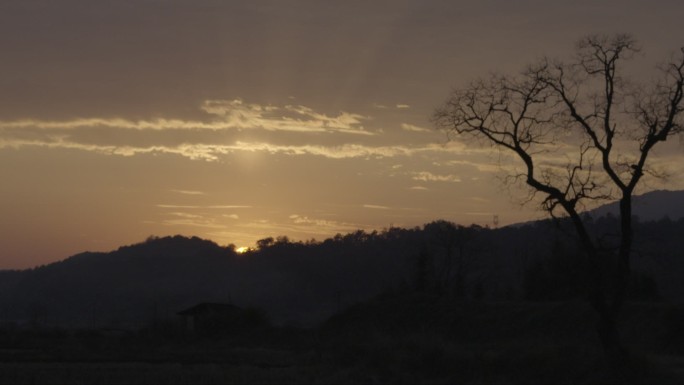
(393, 339)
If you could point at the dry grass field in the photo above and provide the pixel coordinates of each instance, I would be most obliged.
(389, 340)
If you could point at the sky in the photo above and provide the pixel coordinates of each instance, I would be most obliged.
(239, 120)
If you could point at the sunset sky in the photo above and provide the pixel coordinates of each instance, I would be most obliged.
(237, 120)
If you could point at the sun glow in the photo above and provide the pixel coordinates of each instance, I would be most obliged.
(242, 250)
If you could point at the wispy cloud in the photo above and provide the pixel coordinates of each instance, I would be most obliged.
(300, 225)
(184, 215)
(375, 207)
(399, 106)
(198, 218)
(321, 224)
(335, 152)
(482, 166)
(217, 207)
(420, 188)
(188, 192)
(298, 118)
(427, 176)
(193, 222)
(119, 123)
(225, 115)
(413, 128)
(212, 152)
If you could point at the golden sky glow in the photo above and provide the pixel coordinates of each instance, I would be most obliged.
(239, 120)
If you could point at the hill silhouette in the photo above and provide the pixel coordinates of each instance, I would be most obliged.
(135, 284)
(651, 206)
(304, 283)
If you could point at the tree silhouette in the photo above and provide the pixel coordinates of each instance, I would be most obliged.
(583, 132)
(456, 246)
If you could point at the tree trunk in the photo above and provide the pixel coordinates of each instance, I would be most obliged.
(617, 281)
(609, 282)
(610, 285)
(607, 329)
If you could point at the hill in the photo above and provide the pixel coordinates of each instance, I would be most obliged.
(651, 206)
(132, 286)
(304, 283)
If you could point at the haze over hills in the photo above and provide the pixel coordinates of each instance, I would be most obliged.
(651, 206)
(303, 283)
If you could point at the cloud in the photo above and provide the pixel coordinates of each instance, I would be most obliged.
(192, 222)
(237, 114)
(188, 192)
(322, 227)
(413, 128)
(213, 148)
(213, 152)
(298, 225)
(505, 163)
(226, 115)
(421, 188)
(119, 123)
(334, 152)
(217, 207)
(375, 207)
(427, 176)
(403, 106)
(320, 223)
(185, 215)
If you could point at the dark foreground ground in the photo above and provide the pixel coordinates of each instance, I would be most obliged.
(393, 339)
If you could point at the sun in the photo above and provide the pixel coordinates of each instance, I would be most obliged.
(242, 250)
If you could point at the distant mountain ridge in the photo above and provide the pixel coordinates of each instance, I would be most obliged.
(651, 206)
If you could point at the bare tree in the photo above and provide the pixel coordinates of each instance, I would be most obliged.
(583, 133)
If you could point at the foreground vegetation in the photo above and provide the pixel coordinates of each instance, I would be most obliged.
(399, 337)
